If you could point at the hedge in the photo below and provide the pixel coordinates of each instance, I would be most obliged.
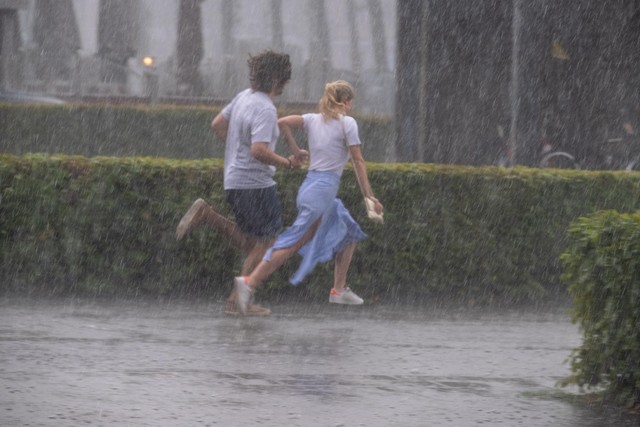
(105, 226)
(180, 132)
(602, 263)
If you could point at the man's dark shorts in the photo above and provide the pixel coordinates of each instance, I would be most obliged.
(257, 211)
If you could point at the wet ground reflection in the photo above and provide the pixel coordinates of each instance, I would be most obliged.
(140, 363)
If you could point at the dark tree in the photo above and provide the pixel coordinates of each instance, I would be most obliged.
(55, 32)
(9, 45)
(320, 48)
(408, 113)
(379, 35)
(117, 38)
(546, 73)
(277, 30)
(189, 48)
(228, 19)
(354, 39)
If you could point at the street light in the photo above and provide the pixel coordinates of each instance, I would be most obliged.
(151, 85)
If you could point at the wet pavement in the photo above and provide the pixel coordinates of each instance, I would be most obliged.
(80, 362)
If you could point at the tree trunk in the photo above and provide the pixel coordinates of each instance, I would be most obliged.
(277, 30)
(189, 48)
(55, 31)
(117, 38)
(408, 114)
(320, 48)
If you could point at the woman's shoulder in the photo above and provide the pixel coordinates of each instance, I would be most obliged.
(311, 117)
(350, 121)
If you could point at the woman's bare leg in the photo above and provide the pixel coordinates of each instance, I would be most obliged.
(255, 256)
(252, 259)
(341, 267)
(266, 268)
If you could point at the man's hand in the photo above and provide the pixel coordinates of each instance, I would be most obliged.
(262, 153)
(297, 161)
(302, 156)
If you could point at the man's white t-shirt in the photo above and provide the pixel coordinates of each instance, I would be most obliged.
(252, 118)
(327, 141)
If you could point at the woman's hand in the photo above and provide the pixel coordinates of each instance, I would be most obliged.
(377, 205)
(297, 161)
(301, 156)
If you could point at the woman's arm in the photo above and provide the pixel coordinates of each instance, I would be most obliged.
(361, 174)
(262, 152)
(286, 124)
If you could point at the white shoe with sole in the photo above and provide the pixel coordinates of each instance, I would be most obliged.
(243, 294)
(347, 296)
(191, 219)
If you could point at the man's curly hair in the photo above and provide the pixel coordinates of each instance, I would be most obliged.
(268, 70)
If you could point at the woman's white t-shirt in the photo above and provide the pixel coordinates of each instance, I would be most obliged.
(327, 149)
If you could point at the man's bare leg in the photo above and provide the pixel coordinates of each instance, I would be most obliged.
(202, 214)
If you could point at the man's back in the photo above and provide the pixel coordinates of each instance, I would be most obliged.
(252, 118)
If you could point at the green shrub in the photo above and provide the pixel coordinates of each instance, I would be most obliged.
(111, 130)
(463, 234)
(144, 130)
(602, 268)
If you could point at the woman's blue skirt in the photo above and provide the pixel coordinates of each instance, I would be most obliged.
(317, 198)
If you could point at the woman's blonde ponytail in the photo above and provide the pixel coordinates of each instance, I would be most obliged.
(336, 95)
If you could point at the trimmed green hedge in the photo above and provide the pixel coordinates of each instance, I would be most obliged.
(147, 130)
(602, 263)
(464, 234)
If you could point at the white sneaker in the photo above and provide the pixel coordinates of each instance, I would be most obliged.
(243, 294)
(345, 297)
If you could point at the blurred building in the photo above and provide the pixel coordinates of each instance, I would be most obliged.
(197, 49)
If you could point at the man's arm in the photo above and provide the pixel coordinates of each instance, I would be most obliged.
(220, 125)
(263, 125)
(262, 153)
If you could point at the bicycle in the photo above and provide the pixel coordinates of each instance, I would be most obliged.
(559, 160)
(549, 159)
(615, 153)
(620, 153)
